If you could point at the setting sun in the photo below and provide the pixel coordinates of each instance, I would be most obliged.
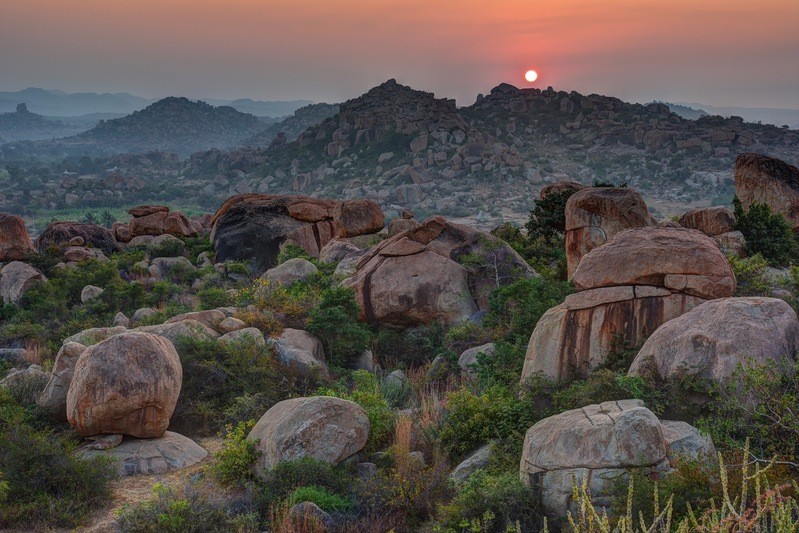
(531, 75)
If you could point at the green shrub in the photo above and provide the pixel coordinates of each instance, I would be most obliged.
(291, 251)
(548, 216)
(335, 322)
(288, 476)
(322, 497)
(750, 275)
(211, 298)
(603, 386)
(495, 502)
(409, 348)
(766, 233)
(234, 463)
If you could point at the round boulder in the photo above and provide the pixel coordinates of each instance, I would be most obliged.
(127, 384)
(293, 270)
(711, 221)
(321, 427)
(15, 244)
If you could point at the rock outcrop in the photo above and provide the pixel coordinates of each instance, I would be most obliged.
(155, 220)
(710, 341)
(439, 271)
(65, 233)
(321, 427)
(594, 215)
(766, 180)
(639, 280)
(712, 221)
(15, 244)
(127, 384)
(256, 226)
(600, 444)
(16, 278)
(134, 457)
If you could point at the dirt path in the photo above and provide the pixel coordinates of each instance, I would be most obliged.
(129, 490)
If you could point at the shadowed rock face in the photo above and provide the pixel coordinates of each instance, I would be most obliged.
(629, 287)
(15, 243)
(256, 226)
(60, 233)
(766, 180)
(438, 271)
(712, 221)
(596, 214)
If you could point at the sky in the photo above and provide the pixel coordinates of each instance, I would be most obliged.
(718, 52)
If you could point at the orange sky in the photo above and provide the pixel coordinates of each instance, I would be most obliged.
(722, 52)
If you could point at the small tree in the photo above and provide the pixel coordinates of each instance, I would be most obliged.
(335, 322)
(548, 217)
(766, 233)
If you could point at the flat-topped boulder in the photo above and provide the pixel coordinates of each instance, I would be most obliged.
(594, 215)
(256, 226)
(15, 244)
(133, 457)
(438, 271)
(767, 180)
(711, 341)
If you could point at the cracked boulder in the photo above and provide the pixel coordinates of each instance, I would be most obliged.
(438, 271)
(601, 444)
(766, 180)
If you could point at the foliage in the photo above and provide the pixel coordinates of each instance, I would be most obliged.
(766, 233)
(45, 485)
(213, 297)
(291, 251)
(287, 476)
(750, 275)
(335, 322)
(496, 501)
(326, 500)
(234, 463)
(409, 348)
(192, 512)
(548, 216)
(604, 386)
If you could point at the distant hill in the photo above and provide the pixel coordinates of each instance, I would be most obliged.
(176, 125)
(765, 115)
(685, 111)
(276, 109)
(61, 104)
(293, 126)
(23, 125)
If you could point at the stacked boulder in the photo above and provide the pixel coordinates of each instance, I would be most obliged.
(717, 222)
(67, 235)
(630, 286)
(155, 220)
(15, 244)
(594, 215)
(766, 180)
(601, 445)
(438, 271)
(256, 226)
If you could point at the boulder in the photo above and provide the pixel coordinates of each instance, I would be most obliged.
(398, 225)
(320, 427)
(244, 336)
(143, 314)
(152, 224)
(79, 254)
(600, 444)
(121, 319)
(15, 244)
(169, 267)
(684, 441)
(54, 396)
(337, 249)
(127, 384)
(31, 377)
(766, 180)
(639, 280)
(157, 456)
(300, 350)
(176, 331)
(711, 221)
(732, 242)
(307, 516)
(144, 210)
(479, 460)
(560, 186)
(16, 278)
(90, 292)
(231, 324)
(711, 340)
(596, 214)
(210, 318)
(286, 273)
(256, 226)
(91, 336)
(469, 357)
(439, 271)
(61, 233)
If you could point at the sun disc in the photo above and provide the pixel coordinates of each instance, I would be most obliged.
(531, 75)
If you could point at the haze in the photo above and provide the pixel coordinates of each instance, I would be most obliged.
(719, 52)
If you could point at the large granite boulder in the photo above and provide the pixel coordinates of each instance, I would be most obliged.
(300, 350)
(321, 427)
(710, 341)
(16, 278)
(594, 215)
(601, 444)
(256, 226)
(639, 280)
(15, 244)
(157, 220)
(439, 271)
(134, 457)
(711, 221)
(54, 396)
(560, 187)
(127, 384)
(61, 233)
(766, 180)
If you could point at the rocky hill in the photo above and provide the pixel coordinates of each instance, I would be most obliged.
(24, 125)
(291, 127)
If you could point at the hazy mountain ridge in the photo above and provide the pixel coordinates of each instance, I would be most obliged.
(24, 125)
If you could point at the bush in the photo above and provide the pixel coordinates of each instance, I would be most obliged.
(234, 463)
(766, 233)
(548, 216)
(335, 322)
(326, 500)
(288, 476)
(211, 298)
(410, 348)
(493, 502)
(750, 275)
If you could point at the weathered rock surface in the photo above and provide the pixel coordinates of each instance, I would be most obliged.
(90, 292)
(16, 278)
(245, 336)
(286, 273)
(321, 427)
(255, 226)
(61, 233)
(594, 215)
(15, 244)
(337, 249)
(469, 357)
(598, 443)
(156, 456)
(479, 460)
(417, 277)
(711, 340)
(33, 375)
(54, 396)
(766, 180)
(711, 221)
(299, 349)
(175, 331)
(127, 384)
(91, 336)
